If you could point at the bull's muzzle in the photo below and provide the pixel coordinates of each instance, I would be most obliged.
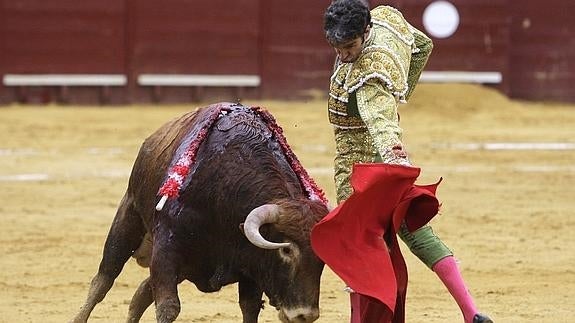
(299, 315)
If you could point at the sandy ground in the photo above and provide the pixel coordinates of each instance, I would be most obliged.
(507, 210)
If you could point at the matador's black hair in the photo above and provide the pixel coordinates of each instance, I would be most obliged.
(345, 20)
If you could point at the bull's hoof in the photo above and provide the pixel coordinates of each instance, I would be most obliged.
(167, 311)
(81, 317)
(480, 318)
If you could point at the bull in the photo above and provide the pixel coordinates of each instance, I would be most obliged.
(217, 197)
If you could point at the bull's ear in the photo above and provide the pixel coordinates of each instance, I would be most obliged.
(241, 226)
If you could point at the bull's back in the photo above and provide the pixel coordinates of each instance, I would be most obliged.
(239, 157)
(241, 162)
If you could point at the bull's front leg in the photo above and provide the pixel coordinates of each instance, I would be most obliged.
(164, 277)
(250, 300)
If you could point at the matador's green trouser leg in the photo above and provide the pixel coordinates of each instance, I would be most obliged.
(425, 245)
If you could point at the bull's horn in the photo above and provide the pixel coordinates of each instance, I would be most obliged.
(267, 213)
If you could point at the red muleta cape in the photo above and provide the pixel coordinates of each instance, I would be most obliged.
(358, 241)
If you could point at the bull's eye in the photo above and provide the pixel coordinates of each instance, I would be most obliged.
(287, 253)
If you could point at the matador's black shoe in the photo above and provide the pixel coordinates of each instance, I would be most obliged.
(480, 318)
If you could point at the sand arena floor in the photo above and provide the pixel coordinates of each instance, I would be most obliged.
(508, 205)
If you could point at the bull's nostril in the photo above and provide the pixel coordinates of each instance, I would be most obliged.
(307, 318)
(312, 317)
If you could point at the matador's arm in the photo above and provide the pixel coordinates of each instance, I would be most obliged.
(377, 107)
(419, 58)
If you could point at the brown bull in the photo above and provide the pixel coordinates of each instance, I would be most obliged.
(242, 190)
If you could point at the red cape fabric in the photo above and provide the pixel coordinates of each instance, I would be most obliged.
(358, 241)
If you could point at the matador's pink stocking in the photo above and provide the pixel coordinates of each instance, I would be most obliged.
(448, 271)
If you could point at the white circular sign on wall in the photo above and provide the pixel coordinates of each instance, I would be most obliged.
(441, 19)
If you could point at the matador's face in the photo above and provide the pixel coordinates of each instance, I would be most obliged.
(349, 51)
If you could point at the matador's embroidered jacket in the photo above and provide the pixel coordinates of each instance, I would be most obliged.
(364, 95)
